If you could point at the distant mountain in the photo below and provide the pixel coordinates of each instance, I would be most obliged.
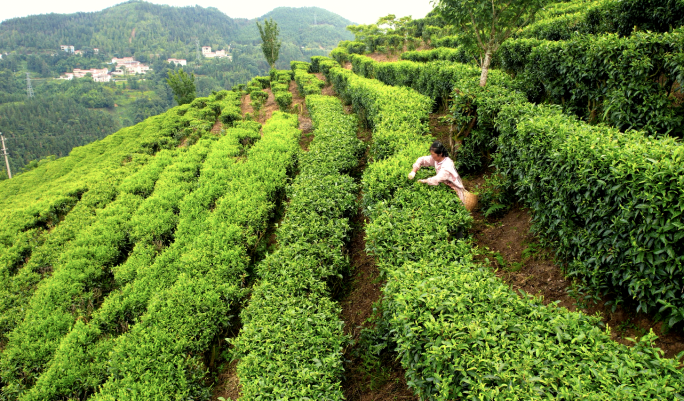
(311, 27)
(138, 27)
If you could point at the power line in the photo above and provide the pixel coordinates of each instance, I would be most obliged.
(4, 152)
(29, 89)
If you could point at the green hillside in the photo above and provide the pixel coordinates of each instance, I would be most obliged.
(149, 32)
(137, 27)
(200, 251)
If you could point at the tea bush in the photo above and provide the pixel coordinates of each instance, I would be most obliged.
(629, 82)
(291, 342)
(450, 318)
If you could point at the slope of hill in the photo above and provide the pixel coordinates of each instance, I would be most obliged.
(149, 32)
(140, 27)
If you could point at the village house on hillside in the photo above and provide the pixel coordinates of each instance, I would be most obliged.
(124, 66)
(67, 48)
(99, 75)
(206, 52)
(177, 61)
(128, 65)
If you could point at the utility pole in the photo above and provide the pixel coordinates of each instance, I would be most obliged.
(198, 50)
(4, 152)
(29, 89)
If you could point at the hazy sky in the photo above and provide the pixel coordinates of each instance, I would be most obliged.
(359, 11)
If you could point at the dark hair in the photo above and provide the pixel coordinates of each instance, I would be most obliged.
(439, 149)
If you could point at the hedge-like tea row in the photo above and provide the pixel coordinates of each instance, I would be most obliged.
(614, 200)
(36, 202)
(168, 216)
(631, 82)
(78, 254)
(563, 20)
(435, 79)
(307, 84)
(460, 54)
(290, 346)
(183, 319)
(391, 110)
(280, 85)
(150, 227)
(460, 331)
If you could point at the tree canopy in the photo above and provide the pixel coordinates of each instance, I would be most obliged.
(491, 22)
(270, 43)
(183, 86)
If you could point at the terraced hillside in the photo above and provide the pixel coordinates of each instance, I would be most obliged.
(267, 244)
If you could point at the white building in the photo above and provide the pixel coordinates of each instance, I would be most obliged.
(99, 75)
(206, 52)
(177, 61)
(128, 65)
(67, 48)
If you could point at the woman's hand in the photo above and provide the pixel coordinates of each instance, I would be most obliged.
(411, 175)
(422, 181)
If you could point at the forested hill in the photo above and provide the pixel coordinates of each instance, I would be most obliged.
(311, 27)
(138, 27)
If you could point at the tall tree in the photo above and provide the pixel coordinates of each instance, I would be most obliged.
(182, 85)
(269, 36)
(490, 21)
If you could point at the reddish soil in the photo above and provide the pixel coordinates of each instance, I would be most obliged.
(328, 89)
(266, 110)
(216, 129)
(305, 124)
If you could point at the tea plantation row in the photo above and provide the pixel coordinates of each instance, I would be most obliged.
(290, 346)
(157, 275)
(460, 331)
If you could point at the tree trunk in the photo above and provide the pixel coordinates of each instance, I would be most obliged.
(485, 68)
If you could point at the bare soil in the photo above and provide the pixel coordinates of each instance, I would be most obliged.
(266, 110)
(228, 385)
(305, 124)
(218, 126)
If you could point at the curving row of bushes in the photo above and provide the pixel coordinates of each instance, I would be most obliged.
(434, 79)
(460, 331)
(629, 82)
(183, 319)
(291, 342)
(562, 21)
(307, 84)
(91, 177)
(280, 85)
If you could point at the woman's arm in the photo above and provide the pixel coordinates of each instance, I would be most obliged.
(441, 176)
(424, 161)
